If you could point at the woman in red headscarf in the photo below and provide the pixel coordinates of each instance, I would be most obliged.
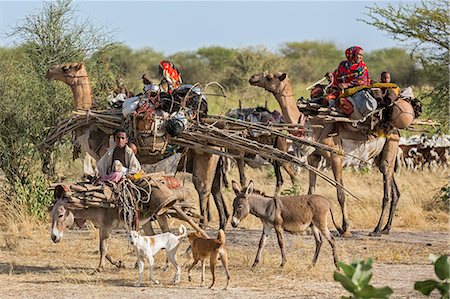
(350, 73)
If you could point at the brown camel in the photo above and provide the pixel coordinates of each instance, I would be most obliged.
(202, 165)
(332, 134)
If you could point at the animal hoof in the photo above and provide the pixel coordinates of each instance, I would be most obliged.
(99, 269)
(121, 265)
(375, 234)
(385, 232)
(346, 234)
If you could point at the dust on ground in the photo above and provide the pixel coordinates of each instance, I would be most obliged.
(31, 266)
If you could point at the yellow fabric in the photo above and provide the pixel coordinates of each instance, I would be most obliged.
(351, 91)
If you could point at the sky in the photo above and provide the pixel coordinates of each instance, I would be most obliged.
(174, 26)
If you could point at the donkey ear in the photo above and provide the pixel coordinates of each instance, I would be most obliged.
(236, 187)
(249, 189)
(282, 76)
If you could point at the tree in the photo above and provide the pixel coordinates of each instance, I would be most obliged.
(30, 104)
(424, 28)
(309, 61)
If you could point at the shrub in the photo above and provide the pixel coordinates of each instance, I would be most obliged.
(356, 279)
(442, 270)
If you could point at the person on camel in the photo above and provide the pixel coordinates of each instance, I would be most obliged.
(349, 73)
(119, 160)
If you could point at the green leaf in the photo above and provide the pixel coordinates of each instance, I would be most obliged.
(357, 275)
(348, 270)
(371, 292)
(426, 286)
(345, 281)
(444, 289)
(365, 278)
(442, 267)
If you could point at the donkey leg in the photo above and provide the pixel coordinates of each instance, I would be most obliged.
(262, 242)
(105, 234)
(318, 240)
(280, 237)
(291, 172)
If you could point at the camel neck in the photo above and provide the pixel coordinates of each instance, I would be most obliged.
(82, 94)
(291, 114)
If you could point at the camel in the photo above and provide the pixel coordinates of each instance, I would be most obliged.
(332, 135)
(94, 142)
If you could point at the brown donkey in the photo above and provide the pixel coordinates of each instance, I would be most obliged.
(285, 213)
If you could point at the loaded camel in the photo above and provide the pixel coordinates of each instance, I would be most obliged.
(332, 135)
(206, 176)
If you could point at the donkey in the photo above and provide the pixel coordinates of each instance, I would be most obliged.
(293, 214)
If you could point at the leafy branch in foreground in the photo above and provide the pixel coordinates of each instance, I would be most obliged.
(442, 270)
(356, 280)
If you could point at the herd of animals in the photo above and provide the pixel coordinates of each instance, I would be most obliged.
(283, 213)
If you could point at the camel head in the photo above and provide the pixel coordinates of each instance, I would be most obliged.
(273, 82)
(68, 73)
(76, 76)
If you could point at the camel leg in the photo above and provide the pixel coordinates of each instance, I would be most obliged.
(204, 167)
(394, 201)
(386, 167)
(277, 168)
(336, 164)
(241, 168)
(313, 160)
(148, 229)
(291, 172)
(216, 191)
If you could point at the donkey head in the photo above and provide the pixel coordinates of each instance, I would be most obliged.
(62, 220)
(241, 204)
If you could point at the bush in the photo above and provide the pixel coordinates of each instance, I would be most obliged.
(34, 195)
(442, 270)
(356, 279)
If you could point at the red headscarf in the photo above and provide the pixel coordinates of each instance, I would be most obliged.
(352, 73)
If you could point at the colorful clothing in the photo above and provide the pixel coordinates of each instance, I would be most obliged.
(355, 74)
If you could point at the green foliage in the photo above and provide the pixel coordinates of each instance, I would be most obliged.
(309, 61)
(33, 194)
(356, 280)
(442, 270)
(293, 190)
(423, 27)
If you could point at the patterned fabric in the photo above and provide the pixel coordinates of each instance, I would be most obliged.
(355, 74)
(170, 74)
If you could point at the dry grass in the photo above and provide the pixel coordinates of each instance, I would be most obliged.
(32, 266)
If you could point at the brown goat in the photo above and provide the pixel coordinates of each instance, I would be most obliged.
(285, 213)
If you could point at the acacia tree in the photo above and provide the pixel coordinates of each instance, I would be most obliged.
(30, 104)
(424, 28)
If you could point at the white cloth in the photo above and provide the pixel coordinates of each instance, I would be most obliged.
(104, 165)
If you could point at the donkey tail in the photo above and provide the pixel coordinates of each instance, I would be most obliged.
(332, 218)
(221, 237)
(183, 231)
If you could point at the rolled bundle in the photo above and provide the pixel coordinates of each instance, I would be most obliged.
(402, 114)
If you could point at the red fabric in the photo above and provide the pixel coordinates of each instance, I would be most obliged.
(172, 183)
(170, 73)
(346, 106)
(354, 74)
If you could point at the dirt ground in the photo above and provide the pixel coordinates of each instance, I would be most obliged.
(31, 266)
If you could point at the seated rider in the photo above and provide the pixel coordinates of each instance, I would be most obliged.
(385, 77)
(109, 169)
(350, 73)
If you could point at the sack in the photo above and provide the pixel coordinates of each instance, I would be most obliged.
(363, 104)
